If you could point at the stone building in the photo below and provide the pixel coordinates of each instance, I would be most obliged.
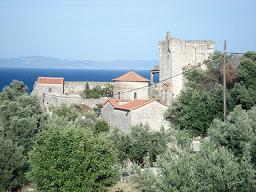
(177, 55)
(48, 85)
(128, 87)
(54, 91)
(123, 114)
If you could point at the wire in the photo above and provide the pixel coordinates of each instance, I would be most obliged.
(143, 87)
(169, 77)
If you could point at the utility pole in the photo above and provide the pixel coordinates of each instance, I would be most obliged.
(224, 82)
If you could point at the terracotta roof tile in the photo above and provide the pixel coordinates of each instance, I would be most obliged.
(114, 102)
(133, 104)
(131, 76)
(50, 80)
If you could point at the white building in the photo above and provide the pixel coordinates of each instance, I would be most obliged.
(129, 87)
(123, 114)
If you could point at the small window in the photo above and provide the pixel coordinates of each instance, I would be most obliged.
(119, 95)
(135, 95)
(50, 90)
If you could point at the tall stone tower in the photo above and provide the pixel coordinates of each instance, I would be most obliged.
(177, 55)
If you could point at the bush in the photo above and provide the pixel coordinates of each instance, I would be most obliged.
(194, 110)
(238, 133)
(21, 118)
(212, 169)
(140, 144)
(97, 92)
(12, 165)
(71, 158)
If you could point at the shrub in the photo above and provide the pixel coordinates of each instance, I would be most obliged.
(71, 158)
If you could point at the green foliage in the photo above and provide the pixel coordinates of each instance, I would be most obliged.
(244, 92)
(21, 118)
(195, 109)
(87, 87)
(202, 99)
(13, 91)
(97, 92)
(101, 126)
(12, 164)
(238, 133)
(71, 158)
(88, 120)
(140, 144)
(212, 169)
(70, 113)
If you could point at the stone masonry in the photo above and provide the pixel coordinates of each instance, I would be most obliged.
(177, 55)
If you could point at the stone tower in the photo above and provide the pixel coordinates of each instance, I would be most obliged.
(177, 55)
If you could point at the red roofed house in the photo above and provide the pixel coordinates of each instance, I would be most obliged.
(124, 114)
(129, 86)
(49, 84)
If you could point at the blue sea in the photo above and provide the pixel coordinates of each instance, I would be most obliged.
(29, 76)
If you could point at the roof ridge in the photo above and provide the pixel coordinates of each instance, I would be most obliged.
(131, 76)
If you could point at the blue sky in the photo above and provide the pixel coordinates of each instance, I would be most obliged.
(119, 29)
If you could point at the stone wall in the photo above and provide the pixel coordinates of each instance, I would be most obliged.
(127, 90)
(116, 118)
(151, 114)
(69, 93)
(49, 100)
(78, 87)
(39, 89)
(175, 56)
(54, 99)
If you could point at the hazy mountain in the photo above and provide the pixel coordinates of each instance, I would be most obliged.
(48, 62)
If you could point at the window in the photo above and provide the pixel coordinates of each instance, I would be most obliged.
(50, 90)
(135, 95)
(119, 95)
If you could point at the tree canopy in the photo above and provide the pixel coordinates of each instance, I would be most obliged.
(140, 144)
(21, 118)
(71, 158)
(202, 99)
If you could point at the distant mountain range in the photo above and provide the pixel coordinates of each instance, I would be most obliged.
(48, 62)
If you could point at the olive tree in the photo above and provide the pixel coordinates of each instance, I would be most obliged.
(72, 158)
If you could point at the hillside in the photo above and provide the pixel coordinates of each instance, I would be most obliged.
(48, 62)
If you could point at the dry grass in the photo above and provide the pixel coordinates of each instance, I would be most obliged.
(124, 186)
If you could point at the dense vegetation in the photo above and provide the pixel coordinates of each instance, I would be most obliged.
(69, 150)
(71, 158)
(97, 92)
(141, 145)
(202, 99)
(226, 161)
(21, 118)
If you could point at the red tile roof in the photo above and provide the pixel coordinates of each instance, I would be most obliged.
(50, 80)
(131, 76)
(114, 102)
(133, 104)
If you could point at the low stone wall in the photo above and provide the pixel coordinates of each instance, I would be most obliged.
(77, 87)
(54, 99)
